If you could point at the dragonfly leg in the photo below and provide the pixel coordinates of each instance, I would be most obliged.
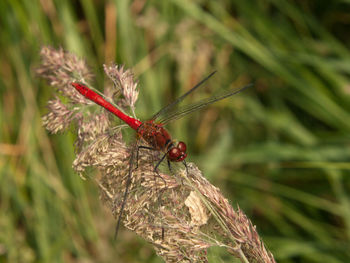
(159, 162)
(157, 173)
(169, 166)
(186, 167)
(137, 154)
(156, 168)
(157, 165)
(185, 164)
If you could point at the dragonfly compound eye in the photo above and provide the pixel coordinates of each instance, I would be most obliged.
(176, 154)
(182, 147)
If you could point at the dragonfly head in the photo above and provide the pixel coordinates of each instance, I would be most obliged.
(177, 153)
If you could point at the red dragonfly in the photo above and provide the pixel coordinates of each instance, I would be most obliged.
(152, 130)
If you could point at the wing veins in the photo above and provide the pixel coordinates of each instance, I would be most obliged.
(180, 112)
(181, 98)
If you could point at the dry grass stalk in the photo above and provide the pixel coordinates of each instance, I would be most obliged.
(180, 214)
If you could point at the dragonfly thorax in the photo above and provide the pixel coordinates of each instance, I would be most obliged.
(159, 139)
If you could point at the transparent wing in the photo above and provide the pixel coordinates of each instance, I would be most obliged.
(177, 113)
(127, 187)
(171, 106)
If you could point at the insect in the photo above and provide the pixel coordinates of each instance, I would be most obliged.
(152, 131)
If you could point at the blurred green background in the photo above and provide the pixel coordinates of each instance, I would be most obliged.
(280, 150)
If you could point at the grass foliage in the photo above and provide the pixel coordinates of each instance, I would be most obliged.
(281, 150)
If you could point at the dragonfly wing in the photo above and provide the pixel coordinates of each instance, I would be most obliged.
(127, 187)
(171, 106)
(183, 111)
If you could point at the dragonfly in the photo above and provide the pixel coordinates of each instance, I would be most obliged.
(152, 131)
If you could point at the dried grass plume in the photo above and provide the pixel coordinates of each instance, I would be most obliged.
(181, 214)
